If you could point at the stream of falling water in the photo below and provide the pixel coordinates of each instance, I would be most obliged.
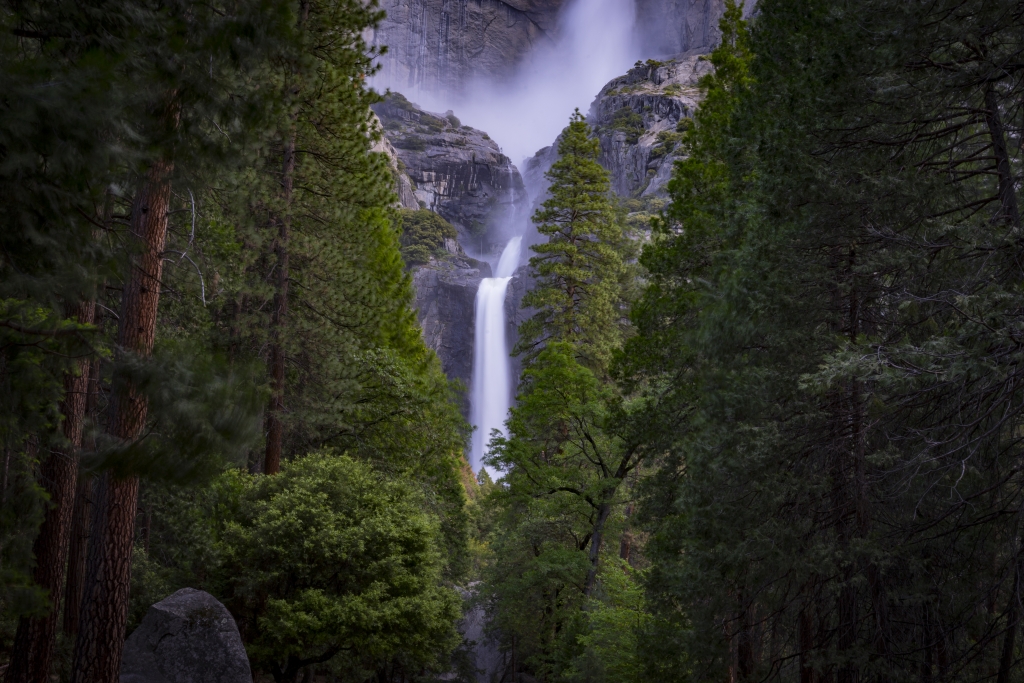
(491, 394)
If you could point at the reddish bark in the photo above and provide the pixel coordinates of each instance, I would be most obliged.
(275, 427)
(100, 640)
(81, 519)
(35, 637)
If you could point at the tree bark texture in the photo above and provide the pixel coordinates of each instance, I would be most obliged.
(275, 426)
(1013, 609)
(81, 519)
(100, 640)
(806, 645)
(1007, 191)
(35, 637)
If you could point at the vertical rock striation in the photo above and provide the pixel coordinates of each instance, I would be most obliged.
(439, 46)
(672, 27)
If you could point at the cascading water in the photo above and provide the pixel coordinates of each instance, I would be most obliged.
(491, 394)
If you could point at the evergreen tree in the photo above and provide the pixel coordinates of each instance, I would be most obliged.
(811, 316)
(569, 450)
(579, 271)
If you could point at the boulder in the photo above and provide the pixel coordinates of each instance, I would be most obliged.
(188, 637)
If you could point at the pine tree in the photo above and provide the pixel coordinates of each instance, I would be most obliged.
(812, 316)
(569, 452)
(579, 270)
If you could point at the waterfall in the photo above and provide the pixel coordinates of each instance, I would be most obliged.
(491, 394)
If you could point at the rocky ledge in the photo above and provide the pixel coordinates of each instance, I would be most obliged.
(639, 119)
(454, 170)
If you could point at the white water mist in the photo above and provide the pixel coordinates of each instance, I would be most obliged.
(595, 43)
(491, 395)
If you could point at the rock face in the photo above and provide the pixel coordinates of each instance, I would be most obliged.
(438, 46)
(445, 302)
(637, 118)
(671, 27)
(459, 173)
(455, 171)
(188, 637)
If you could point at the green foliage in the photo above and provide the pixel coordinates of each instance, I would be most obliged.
(581, 270)
(413, 143)
(616, 621)
(423, 235)
(817, 372)
(629, 122)
(328, 557)
(567, 455)
(86, 85)
(331, 560)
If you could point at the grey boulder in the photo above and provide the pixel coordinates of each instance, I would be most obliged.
(188, 637)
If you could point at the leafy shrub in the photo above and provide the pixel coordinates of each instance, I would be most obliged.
(423, 235)
(413, 143)
(329, 558)
(669, 139)
(453, 119)
(398, 100)
(629, 122)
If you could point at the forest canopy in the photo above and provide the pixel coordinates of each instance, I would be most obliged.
(767, 430)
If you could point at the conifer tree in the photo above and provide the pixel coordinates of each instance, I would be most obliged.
(812, 317)
(579, 271)
(567, 455)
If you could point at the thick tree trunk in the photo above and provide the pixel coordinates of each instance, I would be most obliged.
(98, 648)
(1007, 191)
(76, 556)
(81, 520)
(275, 427)
(35, 637)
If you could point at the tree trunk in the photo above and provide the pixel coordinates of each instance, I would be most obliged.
(806, 645)
(81, 520)
(35, 637)
(76, 556)
(595, 547)
(275, 427)
(1013, 608)
(98, 648)
(1007, 192)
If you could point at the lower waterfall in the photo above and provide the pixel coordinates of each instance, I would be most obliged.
(491, 394)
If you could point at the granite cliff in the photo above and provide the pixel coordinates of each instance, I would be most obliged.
(453, 170)
(459, 173)
(439, 46)
(639, 119)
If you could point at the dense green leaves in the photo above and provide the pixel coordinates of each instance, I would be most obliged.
(329, 558)
(838, 495)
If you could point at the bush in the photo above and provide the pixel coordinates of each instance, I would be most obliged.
(330, 558)
(453, 119)
(423, 235)
(631, 123)
(413, 143)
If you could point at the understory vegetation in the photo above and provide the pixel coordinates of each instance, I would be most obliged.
(767, 430)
